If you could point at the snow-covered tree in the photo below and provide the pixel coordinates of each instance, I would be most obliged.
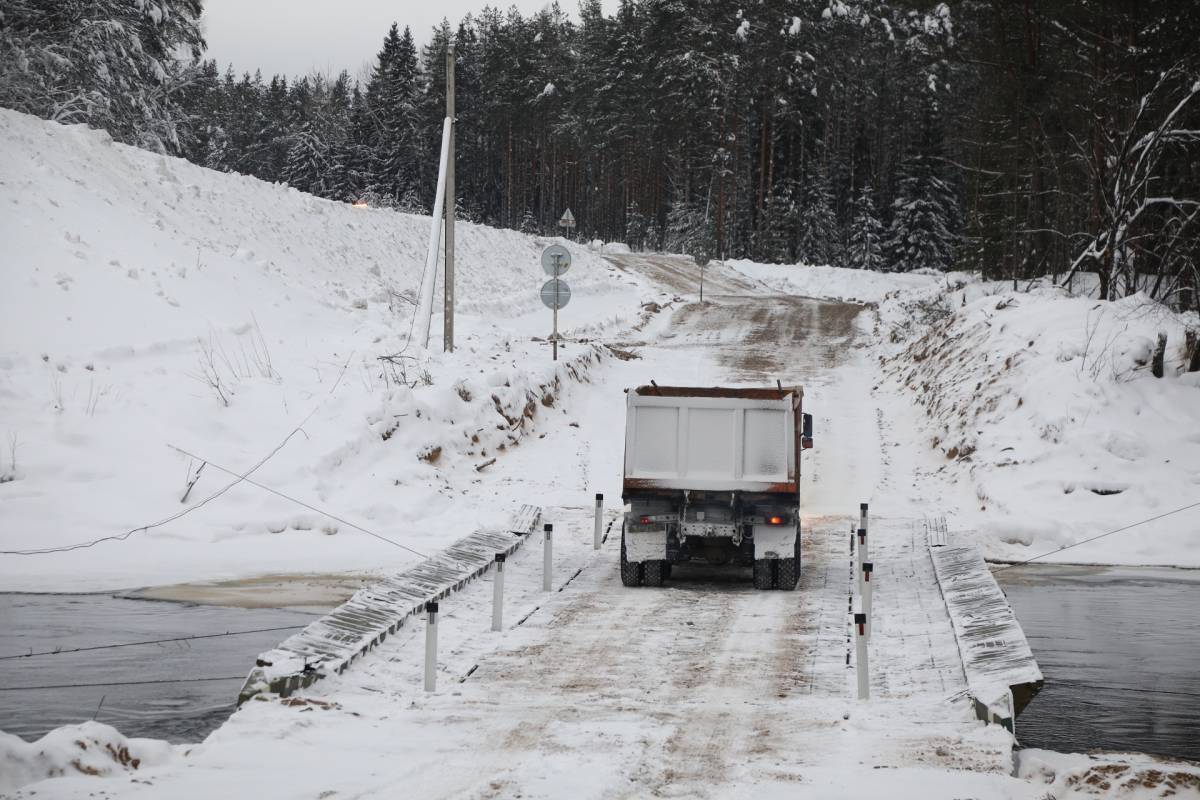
(393, 93)
(529, 223)
(818, 238)
(775, 241)
(307, 165)
(865, 246)
(686, 227)
(636, 227)
(112, 64)
(920, 234)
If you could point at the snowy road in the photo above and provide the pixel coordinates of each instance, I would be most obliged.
(705, 688)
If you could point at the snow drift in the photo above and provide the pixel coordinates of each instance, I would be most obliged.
(151, 304)
(1045, 404)
(89, 748)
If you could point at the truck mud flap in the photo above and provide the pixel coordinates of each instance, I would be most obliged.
(646, 545)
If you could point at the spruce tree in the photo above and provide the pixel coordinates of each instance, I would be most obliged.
(636, 227)
(818, 239)
(919, 236)
(528, 222)
(392, 94)
(112, 64)
(775, 242)
(865, 250)
(307, 165)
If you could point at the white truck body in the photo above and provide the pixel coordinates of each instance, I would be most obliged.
(713, 474)
(709, 443)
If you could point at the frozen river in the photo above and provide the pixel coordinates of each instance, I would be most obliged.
(177, 712)
(1120, 649)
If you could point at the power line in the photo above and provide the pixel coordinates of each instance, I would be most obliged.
(149, 642)
(321, 511)
(120, 537)
(1099, 536)
(117, 683)
(1055, 682)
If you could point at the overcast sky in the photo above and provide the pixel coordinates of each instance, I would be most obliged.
(297, 36)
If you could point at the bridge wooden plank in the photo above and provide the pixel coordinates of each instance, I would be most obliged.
(995, 653)
(328, 645)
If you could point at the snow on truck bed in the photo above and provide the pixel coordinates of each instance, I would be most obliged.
(149, 302)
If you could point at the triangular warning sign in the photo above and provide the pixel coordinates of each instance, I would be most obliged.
(568, 220)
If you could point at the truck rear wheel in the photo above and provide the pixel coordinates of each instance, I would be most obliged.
(631, 571)
(653, 572)
(786, 576)
(764, 573)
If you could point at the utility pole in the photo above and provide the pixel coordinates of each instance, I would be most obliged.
(448, 316)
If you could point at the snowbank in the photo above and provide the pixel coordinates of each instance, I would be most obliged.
(1133, 776)
(89, 748)
(151, 304)
(832, 283)
(1044, 404)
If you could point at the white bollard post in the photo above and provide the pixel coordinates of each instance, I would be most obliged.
(860, 656)
(867, 569)
(862, 515)
(596, 536)
(431, 647)
(864, 552)
(498, 595)
(548, 559)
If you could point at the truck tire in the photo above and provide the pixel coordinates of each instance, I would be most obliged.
(764, 573)
(652, 573)
(787, 575)
(631, 571)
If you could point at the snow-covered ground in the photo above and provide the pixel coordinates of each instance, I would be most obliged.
(150, 304)
(831, 283)
(1044, 407)
(705, 688)
(1041, 407)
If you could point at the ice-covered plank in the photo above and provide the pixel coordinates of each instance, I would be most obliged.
(331, 643)
(935, 531)
(995, 654)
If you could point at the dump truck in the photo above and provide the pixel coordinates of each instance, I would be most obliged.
(712, 475)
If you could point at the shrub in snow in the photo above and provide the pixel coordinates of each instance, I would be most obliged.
(90, 748)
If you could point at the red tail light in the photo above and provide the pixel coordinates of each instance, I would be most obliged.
(774, 520)
(645, 520)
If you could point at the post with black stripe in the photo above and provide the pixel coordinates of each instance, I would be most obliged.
(431, 608)
(860, 654)
(596, 537)
(498, 595)
(548, 559)
(867, 569)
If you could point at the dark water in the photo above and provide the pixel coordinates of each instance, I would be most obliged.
(1135, 631)
(178, 712)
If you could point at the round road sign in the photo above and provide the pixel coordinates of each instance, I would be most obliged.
(556, 260)
(556, 294)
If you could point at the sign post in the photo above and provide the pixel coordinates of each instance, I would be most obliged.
(556, 260)
(567, 221)
(448, 317)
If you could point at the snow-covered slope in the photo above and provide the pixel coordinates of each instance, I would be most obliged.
(832, 283)
(1045, 407)
(150, 303)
